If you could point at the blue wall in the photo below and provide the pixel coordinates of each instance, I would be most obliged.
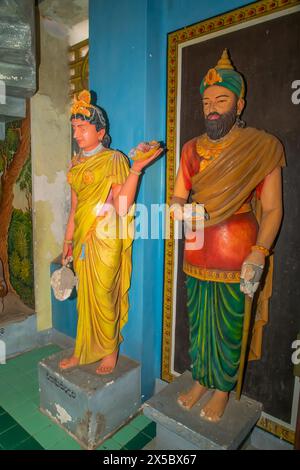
(64, 314)
(128, 60)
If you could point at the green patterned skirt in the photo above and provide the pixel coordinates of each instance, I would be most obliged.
(216, 313)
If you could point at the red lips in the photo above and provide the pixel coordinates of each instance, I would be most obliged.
(213, 117)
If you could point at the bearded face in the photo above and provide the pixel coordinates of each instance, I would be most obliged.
(220, 108)
(218, 125)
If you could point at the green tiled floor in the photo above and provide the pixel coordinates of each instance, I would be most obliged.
(24, 427)
(131, 437)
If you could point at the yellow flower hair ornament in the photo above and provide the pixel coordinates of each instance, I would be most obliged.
(82, 104)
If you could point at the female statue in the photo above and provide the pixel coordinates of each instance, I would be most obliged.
(101, 179)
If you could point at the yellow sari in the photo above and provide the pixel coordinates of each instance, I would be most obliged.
(103, 265)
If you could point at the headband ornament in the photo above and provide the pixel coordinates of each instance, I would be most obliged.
(82, 105)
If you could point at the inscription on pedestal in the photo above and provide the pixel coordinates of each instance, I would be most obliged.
(59, 384)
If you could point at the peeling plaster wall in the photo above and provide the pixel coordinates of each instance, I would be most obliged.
(51, 150)
(68, 12)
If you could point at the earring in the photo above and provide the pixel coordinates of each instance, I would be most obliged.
(239, 122)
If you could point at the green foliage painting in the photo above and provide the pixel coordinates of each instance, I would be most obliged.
(16, 250)
(20, 255)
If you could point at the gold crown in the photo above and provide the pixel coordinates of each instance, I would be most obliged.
(225, 62)
(82, 104)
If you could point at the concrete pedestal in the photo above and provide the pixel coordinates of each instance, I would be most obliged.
(179, 429)
(90, 407)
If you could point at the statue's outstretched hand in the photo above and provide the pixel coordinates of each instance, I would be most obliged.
(140, 165)
(144, 153)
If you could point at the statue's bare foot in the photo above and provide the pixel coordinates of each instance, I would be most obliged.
(214, 409)
(108, 364)
(69, 362)
(189, 399)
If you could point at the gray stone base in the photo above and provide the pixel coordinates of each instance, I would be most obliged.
(181, 429)
(262, 440)
(88, 406)
(21, 336)
(258, 440)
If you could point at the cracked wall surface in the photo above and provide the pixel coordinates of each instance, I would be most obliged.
(70, 12)
(51, 151)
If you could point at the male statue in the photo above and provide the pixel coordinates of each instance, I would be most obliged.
(235, 172)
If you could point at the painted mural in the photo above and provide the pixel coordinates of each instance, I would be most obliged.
(16, 251)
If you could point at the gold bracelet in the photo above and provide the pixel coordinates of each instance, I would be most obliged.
(262, 249)
(138, 173)
(68, 242)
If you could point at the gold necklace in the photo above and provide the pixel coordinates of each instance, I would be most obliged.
(209, 149)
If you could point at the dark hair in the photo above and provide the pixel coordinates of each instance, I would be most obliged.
(98, 119)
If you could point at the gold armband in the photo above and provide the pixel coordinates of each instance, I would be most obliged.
(262, 249)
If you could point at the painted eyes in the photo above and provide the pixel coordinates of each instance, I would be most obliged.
(81, 128)
(217, 102)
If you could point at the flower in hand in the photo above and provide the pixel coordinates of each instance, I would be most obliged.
(144, 154)
(144, 150)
